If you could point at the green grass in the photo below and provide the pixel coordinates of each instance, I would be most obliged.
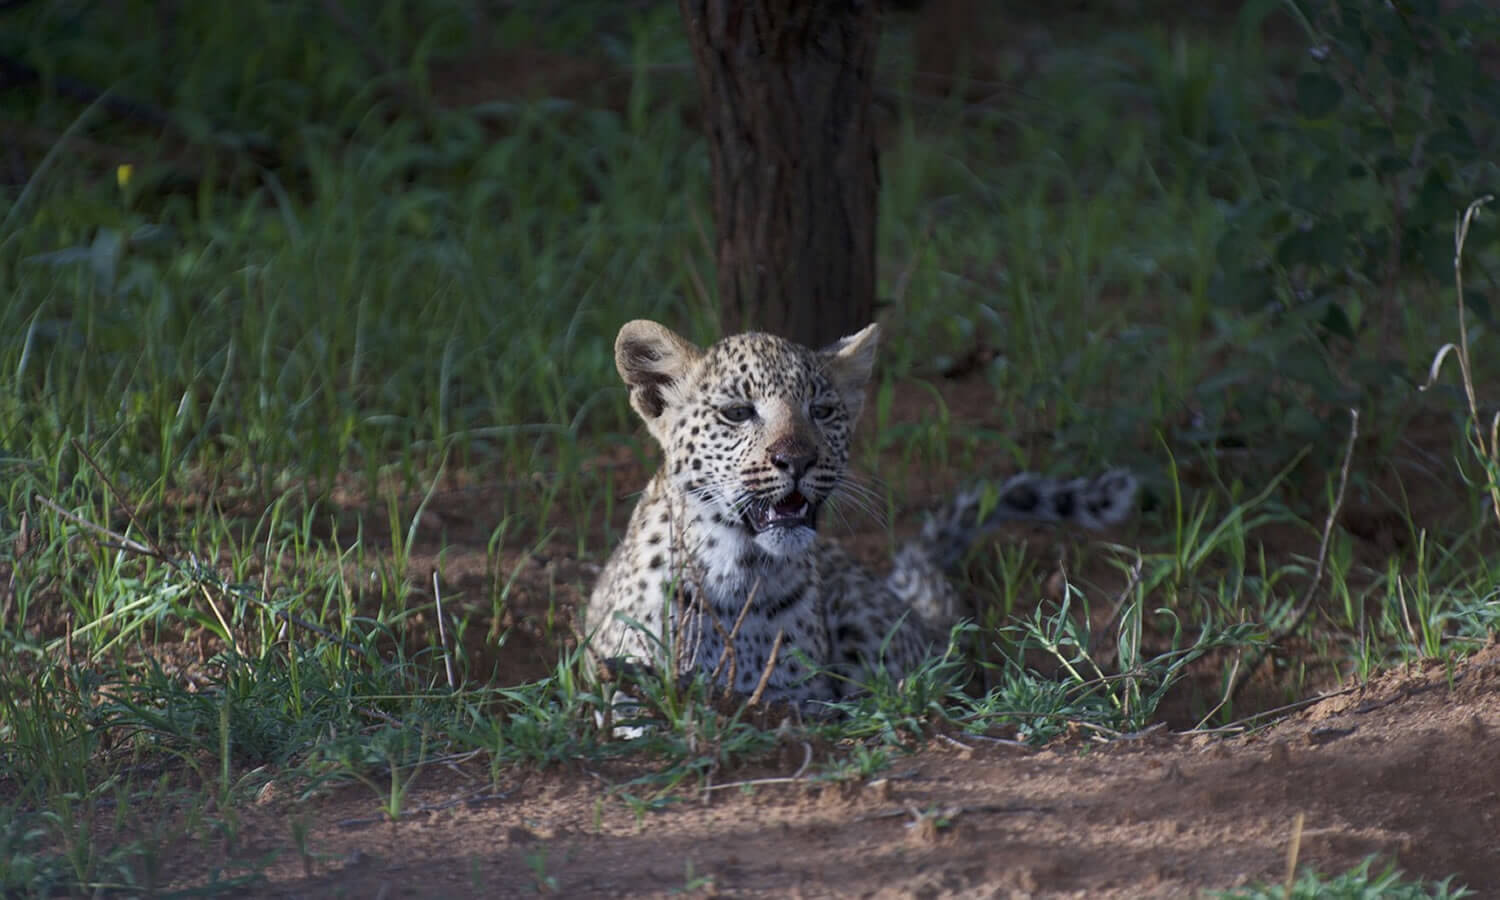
(1358, 883)
(268, 356)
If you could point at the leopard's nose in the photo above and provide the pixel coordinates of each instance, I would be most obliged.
(793, 456)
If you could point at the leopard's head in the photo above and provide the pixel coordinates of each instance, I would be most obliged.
(755, 428)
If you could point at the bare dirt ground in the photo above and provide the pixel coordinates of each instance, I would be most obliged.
(1405, 768)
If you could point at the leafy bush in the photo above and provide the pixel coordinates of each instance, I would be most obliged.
(1390, 133)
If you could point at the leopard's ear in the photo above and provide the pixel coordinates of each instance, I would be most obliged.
(652, 360)
(849, 361)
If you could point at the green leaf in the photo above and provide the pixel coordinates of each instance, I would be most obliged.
(1421, 11)
(1249, 289)
(1435, 203)
(1322, 191)
(1380, 372)
(1308, 366)
(1454, 74)
(1435, 249)
(1455, 143)
(1410, 122)
(1321, 245)
(1318, 95)
(1336, 322)
(1391, 164)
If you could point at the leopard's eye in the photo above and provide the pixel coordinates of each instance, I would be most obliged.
(822, 411)
(738, 412)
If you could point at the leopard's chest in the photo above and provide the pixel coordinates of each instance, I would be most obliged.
(772, 617)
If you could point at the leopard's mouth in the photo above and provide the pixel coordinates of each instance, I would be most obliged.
(792, 511)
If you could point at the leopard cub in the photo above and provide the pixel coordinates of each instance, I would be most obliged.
(723, 546)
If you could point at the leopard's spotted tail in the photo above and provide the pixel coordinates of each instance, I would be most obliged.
(1095, 503)
(920, 569)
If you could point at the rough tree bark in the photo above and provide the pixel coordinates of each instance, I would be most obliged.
(787, 91)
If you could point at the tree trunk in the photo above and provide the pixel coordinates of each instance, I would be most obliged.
(787, 87)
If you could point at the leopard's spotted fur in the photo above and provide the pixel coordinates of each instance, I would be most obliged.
(755, 431)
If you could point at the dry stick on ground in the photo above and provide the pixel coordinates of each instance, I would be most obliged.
(156, 549)
(437, 595)
(1234, 674)
(807, 755)
(1239, 726)
(953, 811)
(122, 542)
(1002, 742)
(125, 543)
(953, 742)
(1293, 850)
(1317, 580)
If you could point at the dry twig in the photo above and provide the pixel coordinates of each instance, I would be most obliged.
(120, 542)
(807, 754)
(437, 595)
(1305, 606)
(1489, 453)
(765, 675)
(728, 653)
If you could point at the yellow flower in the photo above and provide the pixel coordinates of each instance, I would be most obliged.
(123, 173)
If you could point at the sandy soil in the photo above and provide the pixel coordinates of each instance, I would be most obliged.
(1404, 768)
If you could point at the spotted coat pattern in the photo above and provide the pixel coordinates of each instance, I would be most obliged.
(722, 547)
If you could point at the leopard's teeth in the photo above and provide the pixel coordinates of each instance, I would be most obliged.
(765, 516)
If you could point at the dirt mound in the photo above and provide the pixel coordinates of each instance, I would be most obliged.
(1404, 768)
